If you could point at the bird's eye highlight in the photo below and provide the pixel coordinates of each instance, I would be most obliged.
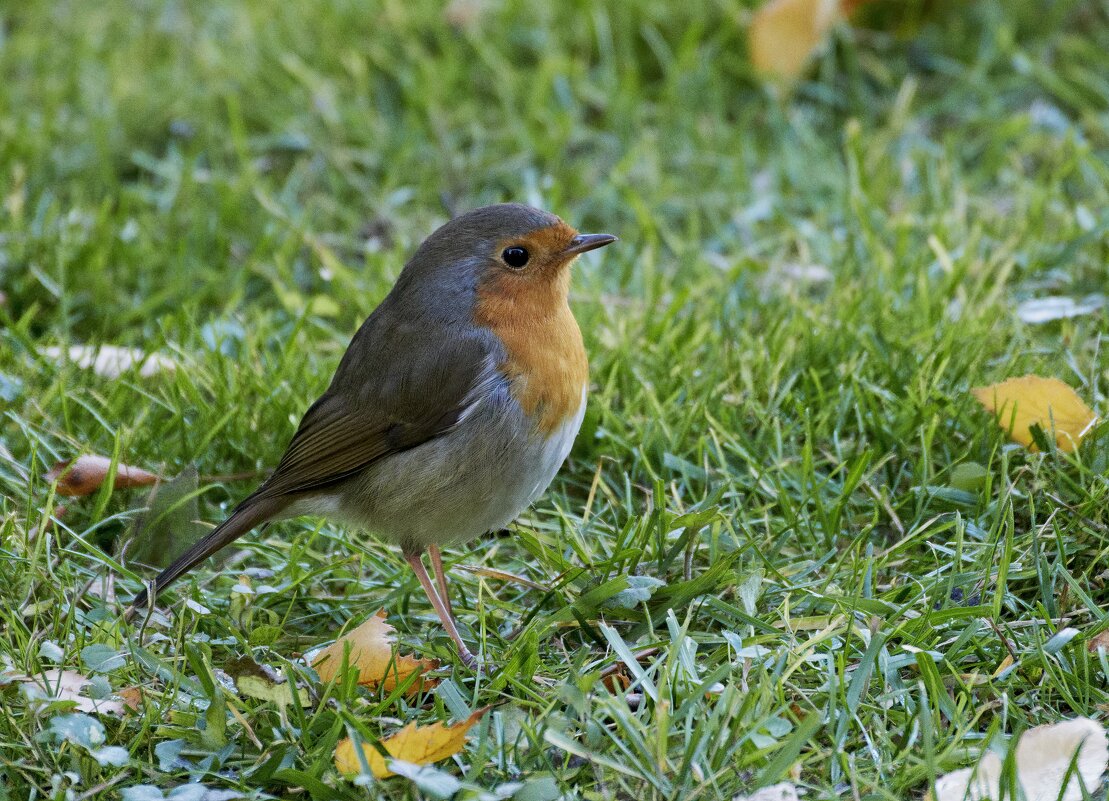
(515, 257)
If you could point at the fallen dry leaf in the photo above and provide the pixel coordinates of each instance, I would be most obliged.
(616, 677)
(66, 685)
(1020, 403)
(131, 697)
(784, 791)
(279, 693)
(260, 681)
(462, 14)
(85, 474)
(420, 745)
(112, 361)
(1004, 665)
(618, 680)
(1046, 310)
(784, 34)
(1099, 640)
(1043, 759)
(372, 654)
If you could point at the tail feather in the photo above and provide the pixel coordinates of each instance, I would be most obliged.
(245, 517)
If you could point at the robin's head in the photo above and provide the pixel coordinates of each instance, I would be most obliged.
(507, 249)
(527, 245)
(502, 272)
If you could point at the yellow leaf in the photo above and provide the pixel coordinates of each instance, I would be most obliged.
(784, 33)
(1006, 663)
(324, 306)
(420, 745)
(1020, 403)
(371, 653)
(280, 693)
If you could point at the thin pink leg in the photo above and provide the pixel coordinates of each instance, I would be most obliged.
(440, 577)
(413, 559)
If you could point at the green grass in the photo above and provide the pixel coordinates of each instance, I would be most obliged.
(238, 185)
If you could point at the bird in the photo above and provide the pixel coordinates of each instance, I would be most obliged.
(452, 409)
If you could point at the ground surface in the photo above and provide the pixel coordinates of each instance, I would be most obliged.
(781, 346)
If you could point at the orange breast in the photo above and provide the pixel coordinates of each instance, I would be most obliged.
(546, 360)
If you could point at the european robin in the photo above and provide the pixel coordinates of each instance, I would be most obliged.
(453, 407)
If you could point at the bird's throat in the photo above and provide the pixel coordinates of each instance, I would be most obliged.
(545, 357)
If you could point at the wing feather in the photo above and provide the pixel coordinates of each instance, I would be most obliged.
(357, 422)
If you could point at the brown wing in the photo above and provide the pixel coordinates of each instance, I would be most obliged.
(379, 405)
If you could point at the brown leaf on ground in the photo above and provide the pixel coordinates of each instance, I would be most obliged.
(617, 681)
(131, 697)
(85, 474)
(420, 745)
(372, 654)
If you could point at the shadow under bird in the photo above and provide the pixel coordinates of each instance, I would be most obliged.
(453, 407)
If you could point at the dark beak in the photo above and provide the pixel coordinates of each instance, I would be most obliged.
(583, 243)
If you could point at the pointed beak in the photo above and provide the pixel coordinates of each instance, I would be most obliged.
(583, 243)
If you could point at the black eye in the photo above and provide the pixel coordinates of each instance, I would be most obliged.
(515, 256)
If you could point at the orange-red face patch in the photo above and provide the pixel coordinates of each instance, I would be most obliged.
(547, 247)
(529, 311)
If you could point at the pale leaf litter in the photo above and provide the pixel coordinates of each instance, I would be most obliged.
(1044, 757)
(112, 361)
(1045, 310)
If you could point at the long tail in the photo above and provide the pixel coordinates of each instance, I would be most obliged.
(246, 516)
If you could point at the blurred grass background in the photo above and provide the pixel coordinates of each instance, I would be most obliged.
(164, 122)
(807, 284)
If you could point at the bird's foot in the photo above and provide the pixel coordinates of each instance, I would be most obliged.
(469, 660)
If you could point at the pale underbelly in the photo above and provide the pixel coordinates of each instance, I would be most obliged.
(475, 479)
